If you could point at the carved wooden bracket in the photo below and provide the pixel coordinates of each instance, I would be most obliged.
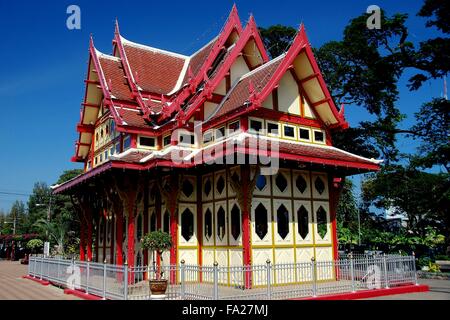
(244, 199)
(171, 190)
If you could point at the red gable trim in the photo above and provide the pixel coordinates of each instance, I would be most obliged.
(300, 43)
(233, 23)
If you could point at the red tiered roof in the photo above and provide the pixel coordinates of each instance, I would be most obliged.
(152, 92)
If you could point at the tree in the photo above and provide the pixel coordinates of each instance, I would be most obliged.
(433, 129)
(38, 204)
(277, 39)
(56, 232)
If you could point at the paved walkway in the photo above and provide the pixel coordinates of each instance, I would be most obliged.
(439, 290)
(14, 287)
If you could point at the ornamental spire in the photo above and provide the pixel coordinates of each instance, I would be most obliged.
(116, 27)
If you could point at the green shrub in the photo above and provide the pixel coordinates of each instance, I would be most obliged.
(442, 257)
(158, 241)
(35, 245)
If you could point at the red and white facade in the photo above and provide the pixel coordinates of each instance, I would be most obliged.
(157, 133)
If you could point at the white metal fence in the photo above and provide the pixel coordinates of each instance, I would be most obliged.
(255, 282)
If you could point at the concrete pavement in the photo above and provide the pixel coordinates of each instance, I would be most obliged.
(439, 290)
(14, 287)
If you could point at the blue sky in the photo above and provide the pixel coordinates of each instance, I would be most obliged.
(44, 65)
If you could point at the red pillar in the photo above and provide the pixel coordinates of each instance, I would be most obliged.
(199, 223)
(119, 239)
(89, 240)
(113, 242)
(97, 233)
(174, 234)
(159, 219)
(246, 245)
(82, 240)
(105, 235)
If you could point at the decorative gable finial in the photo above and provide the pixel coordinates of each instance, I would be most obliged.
(91, 41)
(163, 100)
(116, 27)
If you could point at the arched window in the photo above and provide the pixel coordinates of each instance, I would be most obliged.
(187, 224)
(235, 222)
(108, 230)
(261, 222)
(221, 223)
(302, 222)
(322, 228)
(208, 224)
(153, 222)
(166, 222)
(282, 221)
(139, 227)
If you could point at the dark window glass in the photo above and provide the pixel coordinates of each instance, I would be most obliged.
(139, 227)
(153, 222)
(208, 224)
(320, 186)
(273, 128)
(166, 222)
(166, 141)
(187, 224)
(220, 184)
(289, 131)
(207, 187)
(282, 221)
(261, 223)
(187, 138)
(301, 184)
(322, 228)
(221, 223)
(261, 182)
(281, 182)
(256, 125)
(304, 134)
(319, 136)
(235, 222)
(147, 142)
(187, 188)
(303, 222)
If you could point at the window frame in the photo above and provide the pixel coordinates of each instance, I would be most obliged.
(164, 140)
(267, 128)
(212, 137)
(251, 130)
(309, 134)
(139, 145)
(284, 136)
(314, 136)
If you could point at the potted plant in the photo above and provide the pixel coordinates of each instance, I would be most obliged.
(157, 242)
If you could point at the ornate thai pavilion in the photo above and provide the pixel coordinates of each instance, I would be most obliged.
(227, 150)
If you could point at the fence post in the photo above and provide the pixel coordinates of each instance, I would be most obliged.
(48, 269)
(104, 279)
(352, 271)
(269, 280)
(87, 276)
(314, 276)
(57, 270)
(386, 278)
(183, 278)
(414, 268)
(125, 280)
(216, 280)
(42, 266)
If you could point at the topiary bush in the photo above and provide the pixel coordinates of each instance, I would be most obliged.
(35, 245)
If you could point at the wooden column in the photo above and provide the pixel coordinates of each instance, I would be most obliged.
(244, 192)
(113, 242)
(82, 239)
(336, 185)
(145, 222)
(171, 193)
(199, 220)
(97, 234)
(105, 235)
